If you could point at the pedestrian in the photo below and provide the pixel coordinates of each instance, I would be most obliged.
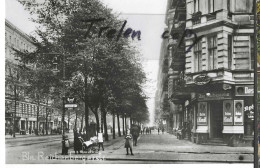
(135, 133)
(158, 130)
(100, 140)
(128, 143)
(30, 130)
(77, 143)
(66, 145)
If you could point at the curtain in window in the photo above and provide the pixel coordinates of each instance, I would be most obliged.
(212, 51)
(198, 56)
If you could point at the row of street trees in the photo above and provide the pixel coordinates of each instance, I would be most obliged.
(101, 69)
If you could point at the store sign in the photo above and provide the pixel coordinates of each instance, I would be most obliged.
(246, 90)
(228, 112)
(70, 103)
(202, 113)
(238, 112)
(214, 96)
(202, 80)
(249, 111)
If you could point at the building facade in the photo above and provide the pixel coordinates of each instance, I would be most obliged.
(211, 70)
(21, 114)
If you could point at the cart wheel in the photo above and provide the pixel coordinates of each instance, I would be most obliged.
(94, 150)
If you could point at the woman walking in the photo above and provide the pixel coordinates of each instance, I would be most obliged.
(77, 143)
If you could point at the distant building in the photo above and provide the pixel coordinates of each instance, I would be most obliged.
(209, 63)
(26, 108)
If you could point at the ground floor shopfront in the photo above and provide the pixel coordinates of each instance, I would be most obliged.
(221, 116)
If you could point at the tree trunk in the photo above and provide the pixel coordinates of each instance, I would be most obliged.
(82, 119)
(102, 121)
(125, 126)
(68, 119)
(103, 112)
(97, 118)
(123, 120)
(76, 120)
(118, 125)
(46, 119)
(37, 115)
(86, 106)
(86, 121)
(131, 122)
(114, 135)
(15, 104)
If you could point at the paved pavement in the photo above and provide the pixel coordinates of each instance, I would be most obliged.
(167, 148)
(152, 148)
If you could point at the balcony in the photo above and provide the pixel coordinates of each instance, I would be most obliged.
(178, 60)
(165, 85)
(196, 18)
(177, 31)
(180, 92)
(180, 13)
(222, 76)
(165, 66)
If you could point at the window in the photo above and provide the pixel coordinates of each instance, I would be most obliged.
(252, 52)
(229, 51)
(198, 56)
(196, 6)
(211, 6)
(242, 6)
(212, 51)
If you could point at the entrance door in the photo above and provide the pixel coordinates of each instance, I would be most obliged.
(216, 119)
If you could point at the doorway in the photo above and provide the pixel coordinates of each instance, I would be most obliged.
(216, 119)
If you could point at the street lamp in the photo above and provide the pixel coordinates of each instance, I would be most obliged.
(55, 63)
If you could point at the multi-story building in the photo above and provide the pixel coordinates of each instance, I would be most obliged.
(14, 89)
(211, 71)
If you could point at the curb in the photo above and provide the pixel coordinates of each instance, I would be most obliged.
(182, 160)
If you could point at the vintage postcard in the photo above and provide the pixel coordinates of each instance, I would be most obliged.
(130, 82)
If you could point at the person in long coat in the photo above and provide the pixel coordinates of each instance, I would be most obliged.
(135, 133)
(77, 143)
(129, 143)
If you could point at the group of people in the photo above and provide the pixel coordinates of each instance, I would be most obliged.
(130, 141)
(78, 143)
(162, 129)
(147, 130)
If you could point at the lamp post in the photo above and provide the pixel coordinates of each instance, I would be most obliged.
(125, 125)
(55, 63)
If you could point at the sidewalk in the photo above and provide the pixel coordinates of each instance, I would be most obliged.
(167, 148)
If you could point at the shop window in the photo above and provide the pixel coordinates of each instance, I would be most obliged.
(198, 56)
(202, 113)
(238, 112)
(212, 51)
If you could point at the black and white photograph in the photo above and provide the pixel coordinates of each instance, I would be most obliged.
(130, 82)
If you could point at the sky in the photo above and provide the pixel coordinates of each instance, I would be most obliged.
(148, 16)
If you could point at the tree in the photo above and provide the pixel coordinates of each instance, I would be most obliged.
(103, 69)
